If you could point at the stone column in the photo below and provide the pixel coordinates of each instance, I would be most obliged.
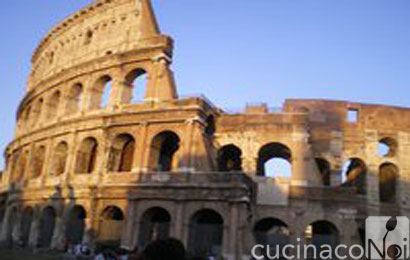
(300, 157)
(64, 97)
(161, 84)
(403, 182)
(59, 235)
(17, 232)
(129, 229)
(188, 143)
(72, 157)
(87, 95)
(143, 147)
(372, 176)
(9, 167)
(121, 92)
(179, 224)
(5, 227)
(196, 147)
(231, 249)
(48, 160)
(34, 230)
(29, 163)
(372, 183)
(249, 164)
(88, 228)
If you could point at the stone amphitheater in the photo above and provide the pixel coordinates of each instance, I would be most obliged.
(91, 163)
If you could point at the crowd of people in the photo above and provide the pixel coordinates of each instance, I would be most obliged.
(166, 249)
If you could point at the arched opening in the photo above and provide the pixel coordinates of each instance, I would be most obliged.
(229, 158)
(36, 112)
(163, 148)
(210, 127)
(122, 154)
(388, 174)
(87, 156)
(53, 105)
(51, 57)
(321, 233)
(47, 224)
(26, 117)
(274, 233)
(39, 157)
(354, 175)
(387, 147)
(205, 233)
(101, 92)
(74, 99)
(21, 167)
(111, 225)
(137, 81)
(26, 221)
(59, 162)
(155, 224)
(76, 225)
(11, 225)
(88, 37)
(15, 157)
(324, 169)
(274, 160)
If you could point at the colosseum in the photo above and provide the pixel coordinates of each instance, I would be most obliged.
(90, 163)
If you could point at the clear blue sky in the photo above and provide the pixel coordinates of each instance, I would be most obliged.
(239, 51)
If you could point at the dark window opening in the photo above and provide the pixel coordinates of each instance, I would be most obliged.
(229, 159)
(155, 224)
(324, 170)
(38, 162)
(122, 154)
(354, 175)
(87, 156)
(210, 125)
(26, 222)
(47, 224)
(205, 233)
(388, 174)
(274, 233)
(111, 226)
(321, 233)
(59, 159)
(76, 225)
(163, 148)
(74, 99)
(88, 37)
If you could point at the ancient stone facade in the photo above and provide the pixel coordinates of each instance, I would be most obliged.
(91, 163)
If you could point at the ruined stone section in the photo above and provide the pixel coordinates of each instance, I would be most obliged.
(91, 162)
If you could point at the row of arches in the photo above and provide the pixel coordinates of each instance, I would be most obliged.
(121, 157)
(275, 233)
(47, 221)
(205, 234)
(275, 160)
(274, 157)
(79, 97)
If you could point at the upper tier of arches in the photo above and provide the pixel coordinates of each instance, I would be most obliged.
(102, 91)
